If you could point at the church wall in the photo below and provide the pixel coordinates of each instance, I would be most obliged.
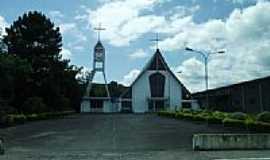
(174, 92)
(85, 106)
(107, 106)
(140, 92)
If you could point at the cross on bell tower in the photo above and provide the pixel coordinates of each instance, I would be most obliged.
(98, 63)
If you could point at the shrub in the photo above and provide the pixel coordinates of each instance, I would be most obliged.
(258, 126)
(220, 115)
(34, 105)
(166, 114)
(187, 116)
(64, 104)
(198, 117)
(214, 120)
(32, 117)
(186, 110)
(9, 121)
(18, 119)
(238, 116)
(264, 116)
(228, 122)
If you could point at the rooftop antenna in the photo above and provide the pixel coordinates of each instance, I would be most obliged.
(99, 29)
(156, 40)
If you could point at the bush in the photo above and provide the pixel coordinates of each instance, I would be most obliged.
(9, 121)
(63, 104)
(18, 119)
(238, 116)
(264, 117)
(186, 110)
(7, 109)
(166, 114)
(198, 117)
(220, 115)
(34, 105)
(214, 120)
(228, 122)
(32, 117)
(258, 126)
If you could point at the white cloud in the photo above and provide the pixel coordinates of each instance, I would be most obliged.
(72, 30)
(130, 77)
(3, 25)
(191, 74)
(245, 34)
(125, 20)
(67, 27)
(140, 53)
(66, 53)
(84, 72)
(242, 1)
(56, 14)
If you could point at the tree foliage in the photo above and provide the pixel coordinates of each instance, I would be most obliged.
(33, 66)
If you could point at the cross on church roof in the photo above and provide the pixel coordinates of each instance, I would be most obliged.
(156, 40)
(99, 29)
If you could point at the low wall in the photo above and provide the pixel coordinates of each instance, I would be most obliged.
(231, 141)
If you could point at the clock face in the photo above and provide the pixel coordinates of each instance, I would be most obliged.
(99, 54)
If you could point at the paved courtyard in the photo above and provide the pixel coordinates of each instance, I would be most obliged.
(112, 137)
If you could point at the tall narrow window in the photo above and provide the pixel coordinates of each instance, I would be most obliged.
(157, 83)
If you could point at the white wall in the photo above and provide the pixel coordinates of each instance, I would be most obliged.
(107, 106)
(85, 106)
(175, 93)
(141, 91)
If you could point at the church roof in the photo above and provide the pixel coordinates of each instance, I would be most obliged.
(157, 62)
(99, 44)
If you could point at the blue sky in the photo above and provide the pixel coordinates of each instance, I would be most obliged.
(241, 27)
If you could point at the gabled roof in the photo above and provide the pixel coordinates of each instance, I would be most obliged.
(99, 45)
(157, 62)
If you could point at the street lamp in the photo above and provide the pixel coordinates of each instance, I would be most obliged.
(205, 56)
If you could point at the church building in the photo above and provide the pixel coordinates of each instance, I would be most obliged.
(156, 88)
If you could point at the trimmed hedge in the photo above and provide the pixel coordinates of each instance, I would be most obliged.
(238, 116)
(229, 122)
(11, 119)
(264, 117)
(243, 121)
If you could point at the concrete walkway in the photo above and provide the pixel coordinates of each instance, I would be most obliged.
(117, 136)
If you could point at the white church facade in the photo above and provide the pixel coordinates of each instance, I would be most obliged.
(155, 88)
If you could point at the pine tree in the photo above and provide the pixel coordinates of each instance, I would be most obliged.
(34, 37)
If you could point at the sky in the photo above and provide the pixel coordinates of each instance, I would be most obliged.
(240, 27)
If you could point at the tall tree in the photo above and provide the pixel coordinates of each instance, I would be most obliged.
(34, 37)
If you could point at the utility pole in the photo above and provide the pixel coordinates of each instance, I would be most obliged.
(205, 56)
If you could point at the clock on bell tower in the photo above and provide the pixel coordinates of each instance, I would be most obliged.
(98, 63)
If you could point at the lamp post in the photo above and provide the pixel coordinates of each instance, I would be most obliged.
(205, 56)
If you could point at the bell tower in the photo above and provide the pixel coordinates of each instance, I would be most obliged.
(98, 64)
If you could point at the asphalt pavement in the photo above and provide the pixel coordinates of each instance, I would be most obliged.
(114, 137)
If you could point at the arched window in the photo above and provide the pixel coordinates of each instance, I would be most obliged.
(157, 83)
